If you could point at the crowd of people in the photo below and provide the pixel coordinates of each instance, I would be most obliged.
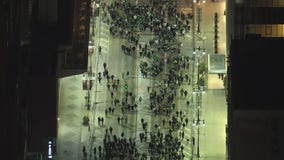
(128, 21)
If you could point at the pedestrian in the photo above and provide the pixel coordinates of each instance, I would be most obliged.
(142, 120)
(185, 93)
(112, 76)
(99, 120)
(115, 101)
(84, 149)
(102, 120)
(187, 103)
(95, 150)
(100, 149)
(181, 92)
(108, 78)
(118, 120)
(113, 86)
(140, 99)
(109, 109)
(100, 78)
(125, 119)
(100, 49)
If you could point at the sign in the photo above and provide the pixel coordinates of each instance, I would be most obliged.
(49, 150)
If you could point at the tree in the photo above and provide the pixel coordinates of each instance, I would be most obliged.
(202, 68)
(201, 81)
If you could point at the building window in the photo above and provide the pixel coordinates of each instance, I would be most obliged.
(268, 30)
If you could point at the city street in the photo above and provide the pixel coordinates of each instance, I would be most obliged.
(126, 120)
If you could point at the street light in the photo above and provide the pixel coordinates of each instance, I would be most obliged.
(199, 50)
(195, 1)
(87, 79)
(198, 54)
(198, 122)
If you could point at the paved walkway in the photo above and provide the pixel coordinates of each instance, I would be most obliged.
(212, 140)
(72, 135)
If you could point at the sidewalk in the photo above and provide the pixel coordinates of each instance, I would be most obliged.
(214, 108)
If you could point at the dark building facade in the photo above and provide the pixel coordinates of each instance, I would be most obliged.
(75, 48)
(31, 33)
(14, 50)
(255, 109)
(42, 78)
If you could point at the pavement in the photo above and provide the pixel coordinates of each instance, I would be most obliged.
(73, 135)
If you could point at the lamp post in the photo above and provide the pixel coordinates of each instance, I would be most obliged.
(199, 121)
(87, 79)
(198, 54)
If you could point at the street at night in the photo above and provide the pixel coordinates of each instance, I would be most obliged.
(146, 99)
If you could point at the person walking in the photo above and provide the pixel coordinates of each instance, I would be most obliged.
(100, 49)
(185, 93)
(181, 92)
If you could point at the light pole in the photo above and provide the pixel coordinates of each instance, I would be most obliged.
(199, 121)
(87, 79)
(198, 54)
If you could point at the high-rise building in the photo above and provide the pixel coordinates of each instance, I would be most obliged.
(32, 35)
(75, 47)
(255, 34)
(14, 49)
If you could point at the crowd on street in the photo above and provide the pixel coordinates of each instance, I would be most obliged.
(129, 22)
